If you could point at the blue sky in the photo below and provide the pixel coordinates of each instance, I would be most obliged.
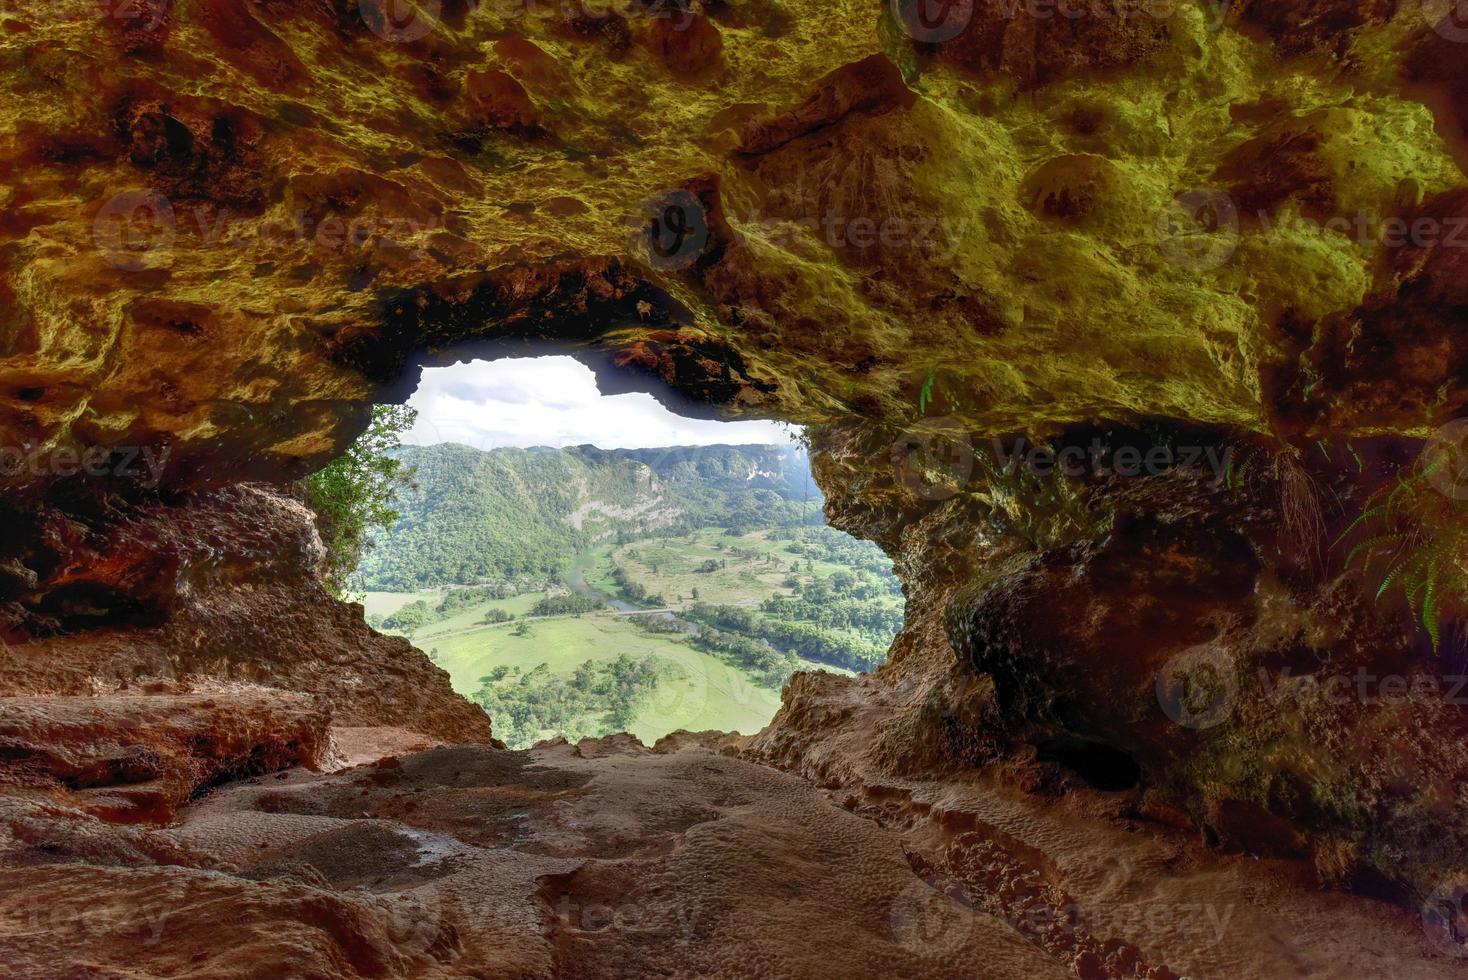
(553, 401)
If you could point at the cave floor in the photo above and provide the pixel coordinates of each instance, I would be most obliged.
(609, 860)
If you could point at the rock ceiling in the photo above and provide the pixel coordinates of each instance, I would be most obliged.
(230, 224)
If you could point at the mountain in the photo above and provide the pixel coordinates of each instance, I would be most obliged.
(492, 515)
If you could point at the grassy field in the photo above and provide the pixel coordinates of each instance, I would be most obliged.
(473, 616)
(387, 603)
(711, 695)
(596, 566)
(666, 566)
(706, 694)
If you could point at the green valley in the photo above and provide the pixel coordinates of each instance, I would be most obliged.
(580, 592)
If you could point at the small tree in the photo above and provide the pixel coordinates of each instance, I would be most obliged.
(523, 629)
(353, 494)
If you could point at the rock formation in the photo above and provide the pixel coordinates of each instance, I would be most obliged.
(1136, 339)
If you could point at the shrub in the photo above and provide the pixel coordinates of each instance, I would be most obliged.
(354, 493)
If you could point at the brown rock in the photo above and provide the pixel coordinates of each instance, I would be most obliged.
(1403, 354)
(498, 101)
(1036, 49)
(687, 45)
(139, 758)
(1070, 187)
(1297, 26)
(872, 86)
(224, 587)
(1088, 966)
(1279, 165)
(1434, 67)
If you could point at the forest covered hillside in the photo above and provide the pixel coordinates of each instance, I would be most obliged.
(489, 516)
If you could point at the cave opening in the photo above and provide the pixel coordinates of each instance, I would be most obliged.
(1103, 767)
(584, 560)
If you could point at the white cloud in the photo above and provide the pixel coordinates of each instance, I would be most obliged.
(553, 401)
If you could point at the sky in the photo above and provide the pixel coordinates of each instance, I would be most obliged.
(553, 401)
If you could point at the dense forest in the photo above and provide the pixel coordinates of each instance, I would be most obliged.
(597, 697)
(478, 516)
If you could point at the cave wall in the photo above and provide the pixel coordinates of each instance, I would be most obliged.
(230, 226)
(1190, 636)
(214, 588)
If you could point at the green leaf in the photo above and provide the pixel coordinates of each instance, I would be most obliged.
(1430, 615)
(1386, 583)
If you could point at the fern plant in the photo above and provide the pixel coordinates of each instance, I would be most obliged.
(1280, 470)
(1416, 542)
(1048, 511)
